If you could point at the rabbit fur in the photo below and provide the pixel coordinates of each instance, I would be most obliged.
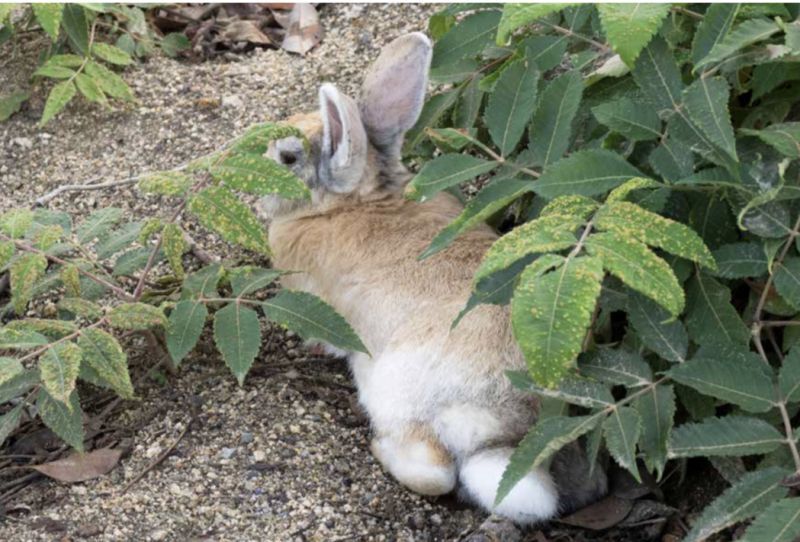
(442, 410)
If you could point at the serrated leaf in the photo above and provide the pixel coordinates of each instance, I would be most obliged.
(450, 139)
(544, 51)
(651, 322)
(59, 97)
(511, 104)
(740, 260)
(90, 89)
(9, 421)
(715, 25)
(551, 128)
(237, 335)
(586, 173)
(11, 103)
(622, 429)
(749, 497)
(629, 27)
(748, 32)
(466, 39)
(24, 274)
(639, 268)
(103, 353)
(9, 368)
(628, 118)
(778, 523)
(81, 307)
(6, 253)
(118, 240)
(785, 137)
(220, 210)
(261, 176)
(733, 380)
(489, 200)
(787, 280)
(186, 322)
(98, 223)
(434, 109)
(570, 206)
(545, 234)
(136, 316)
(311, 318)
(111, 54)
(175, 42)
(248, 279)
(174, 245)
(202, 283)
(656, 74)
(730, 435)
(789, 376)
(706, 102)
(20, 339)
(54, 72)
(571, 389)
(52, 329)
(657, 411)
(446, 171)
(519, 15)
(672, 160)
(111, 83)
(45, 237)
(134, 260)
(543, 440)
(66, 421)
(615, 366)
(550, 314)
(73, 21)
(710, 317)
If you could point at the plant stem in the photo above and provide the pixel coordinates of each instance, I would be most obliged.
(151, 260)
(501, 160)
(39, 351)
(787, 427)
(569, 33)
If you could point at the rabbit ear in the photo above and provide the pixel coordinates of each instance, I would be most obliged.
(394, 91)
(344, 142)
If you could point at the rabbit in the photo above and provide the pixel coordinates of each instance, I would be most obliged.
(442, 411)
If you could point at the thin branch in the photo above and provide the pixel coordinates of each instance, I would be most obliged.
(690, 13)
(567, 32)
(48, 346)
(501, 160)
(151, 260)
(91, 185)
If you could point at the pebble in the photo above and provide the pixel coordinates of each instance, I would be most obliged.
(227, 453)
(246, 438)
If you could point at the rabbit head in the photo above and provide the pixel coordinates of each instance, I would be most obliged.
(355, 147)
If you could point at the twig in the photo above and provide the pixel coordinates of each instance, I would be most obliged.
(567, 32)
(85, 187)
(690, 13)
(151, 260)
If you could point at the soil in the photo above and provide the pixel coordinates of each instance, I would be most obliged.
(286, 456)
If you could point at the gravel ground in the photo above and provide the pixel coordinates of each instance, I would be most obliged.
(283, 458)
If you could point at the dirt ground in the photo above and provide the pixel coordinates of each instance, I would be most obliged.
(286, 456)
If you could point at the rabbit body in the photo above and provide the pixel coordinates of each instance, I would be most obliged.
(442, 410)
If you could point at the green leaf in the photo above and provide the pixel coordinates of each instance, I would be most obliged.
(734, 380)
(572, 389)
(136, 316)
(746, 33)
(639, 268)
(54, 72)
(586, 173)
(16, 222)
(98, 223)
(545, 234)
(454, 72)
(740, 260)
(166, 183)
(710, 317)
(491, 198)
(551, 313)
(220, 210)
(551, 128)
(66, 421)
(749, 497)
(519, 15)
(103, 353)
(629, 27)
(715, 25)
(9, 368)
(11, 103)
(18, 385)
(249, 279)
(511, 104)
(10, 421)
(434, 109)
(657, 411)
(543, 440)
(466, 39)
(237, 335)
(570, 206)
(52, 329)
(202, 283)
(622, 429)
(789, 376)
(90, 89)
(778, 523)
(20, 339)
(544, 51)
(630, 220)
(111, 83)
(81, 307)
(118, 240)
(446, 171)
(186, 322)
(311, 318)
(626, 117)
(74, 23)
(175, 42)
(25, 273)
(672, 159)
(706, 102)
(656, 74)
(651, 322)
(730, 435)
(787, 280)
(261, 176)
(111, 54)
(174, 245)
(615, 366)
(6, 252)
(66, 61)
(785, 137)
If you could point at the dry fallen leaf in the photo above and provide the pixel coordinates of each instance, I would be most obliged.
(601, 515)
(81, 467)
(244, 31)
(304, 31)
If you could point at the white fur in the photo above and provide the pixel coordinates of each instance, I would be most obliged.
(464, 427)
(413, 465)
(532, 500)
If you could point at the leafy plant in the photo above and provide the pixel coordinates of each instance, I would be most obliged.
(645, 161)
(98, 273)
(78, 60)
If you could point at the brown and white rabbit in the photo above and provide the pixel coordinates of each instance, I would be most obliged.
(442, 410)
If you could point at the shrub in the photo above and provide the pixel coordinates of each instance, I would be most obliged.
(645, 161)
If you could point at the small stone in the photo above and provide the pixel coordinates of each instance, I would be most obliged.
(259, 456)
(436, 519)
(227, 453)
(24, 142)
(246, 438)
(160, 534)
(232, 101)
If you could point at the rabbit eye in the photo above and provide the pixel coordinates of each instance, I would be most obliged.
(288, 158)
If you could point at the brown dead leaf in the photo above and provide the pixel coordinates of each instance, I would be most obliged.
(601, 515)
(81, 467)
(244, 31)
(304, 31)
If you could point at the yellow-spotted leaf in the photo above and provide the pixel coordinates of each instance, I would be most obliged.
(25, 273)
(220, 210)
(59, 367)
(136, 316)
(103, 353)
